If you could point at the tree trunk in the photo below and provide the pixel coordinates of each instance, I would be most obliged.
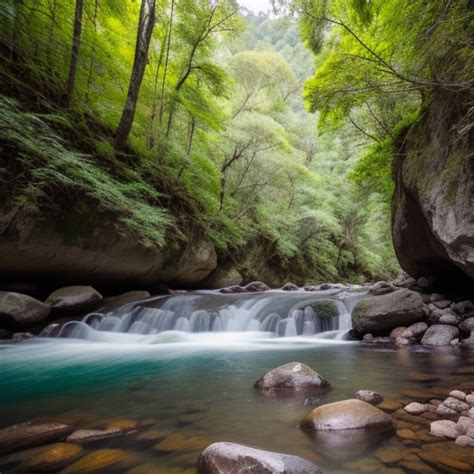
(145, 30)
(76, 44)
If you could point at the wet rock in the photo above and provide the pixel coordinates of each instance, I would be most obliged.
(416, 408)
(447, 455)
(257, 286)
(74, 298)
(176, 442)
(151, 436)
(84, 437)
(465, 424)
(290, 287)
(389, 405)
(397, 332)
(464, 306)
(469, 341)
(449, 318)
(122, 425)
(102, 461)
(439, 335)
(417, 467)
(443, 304)
(17, 310)
(406, 434)
(417, 394)
(415, 330)
(233, 289)
(458, 394)
(444, 429)
(346, 415)
(383, 313)
(455, 404)
(381, 288)
(25, 435)
(21, 336)
(388, 455)
(222, 278)
(369, 396)
(442, 409)
(115, 302)
(223, 458)
(467, 325)
(312, 287)
(55, 456)
(291, 379)
(464, 440)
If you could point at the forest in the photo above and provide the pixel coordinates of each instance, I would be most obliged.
(271, 134)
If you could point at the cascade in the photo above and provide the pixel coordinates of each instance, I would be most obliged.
(275, 313)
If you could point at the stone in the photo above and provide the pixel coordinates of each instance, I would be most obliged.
(388, 455)
(417, 467)
(54, 457)
(470, 399)
(401, 341)
(114, 302)
(417, 394)
(416, 408)
(423, 282)
(74, 298)
(467, 325)
(84, 437)
(381, 314)
(224, 458)
(369, 396)
(222, 278)
(21, 336)
(465, 424)
(443, 304)
(102, 460)
(290, 287)
(458, 394)
(442, 409)
(456, 404)
(18, 310)
(444, 429)
(406, 434)
(449, 318)
(439, 335)
(122, 425)
(233, 289)
(346, 415)
(389, 405)
(26, 435)
(464, 306)
(464, 440)
(292, 379)
(415, 330)
(380, 342)
(176, 442)
(422, 377)
(381, 288)
(257, 286)
(397, 332)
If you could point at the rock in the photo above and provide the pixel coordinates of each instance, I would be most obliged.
(122, 425)
(470, 399)
(444, 429)
(22, 336)
(469, 341)
(102, 460)
(311, 287)
(397, 332)
(17, 310)
(346, 415)
(401, 341)
(369, 396)
(222, 278)
(389, 405)
(465, 424)
(26, 435)
(115, 302)
(464, 306)
(4, 334)
(290, 287)
(383, 313)
(84, 437)
(415, 330)
(380, 342)
(423, 282)
(442, 409)
(416, 408)
(449, 318)
(439, 335)
(257, 286)
(448, 455)
(436, 297)
(74, 298)
(367, 337)
(464, 440)
(176, 442)
(388, 455)
(417, 467)
(224, 458)
(458, 394)
(54, 457)
(406, 434)
(422, 377)
(381, 288)
(234, 289)
(455, 404)
(443, 304)
(467, 325)
(291, 379)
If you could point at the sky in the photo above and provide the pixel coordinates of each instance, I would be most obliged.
(256, 5)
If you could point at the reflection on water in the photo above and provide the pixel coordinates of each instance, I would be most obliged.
(201, 391)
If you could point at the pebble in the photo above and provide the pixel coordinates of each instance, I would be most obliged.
(444, 429)
(369, 396)
(416, 408)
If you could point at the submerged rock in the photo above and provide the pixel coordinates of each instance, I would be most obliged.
(381, 314)
(346, 415)
(74, 298)
(55, 456)
(101, 461)
(291, 379)
(224, 458)
(369, 396)
(84, 437)
(17, 310)
(439, 335)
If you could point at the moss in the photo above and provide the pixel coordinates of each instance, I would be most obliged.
(325, 309)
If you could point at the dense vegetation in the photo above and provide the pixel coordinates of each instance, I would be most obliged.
(200, 126)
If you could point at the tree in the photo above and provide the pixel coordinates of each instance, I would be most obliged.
(146, 23)
(75, 47)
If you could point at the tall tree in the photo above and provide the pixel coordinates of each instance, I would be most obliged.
(145, 30)
(75, 47)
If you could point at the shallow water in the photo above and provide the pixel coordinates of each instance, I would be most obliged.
(203, 386)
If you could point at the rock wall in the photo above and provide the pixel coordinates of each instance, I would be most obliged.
(433, 204)
(35, 252)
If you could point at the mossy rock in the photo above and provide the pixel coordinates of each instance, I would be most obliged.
(325, 309)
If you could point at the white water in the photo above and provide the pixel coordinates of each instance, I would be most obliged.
(214, 318)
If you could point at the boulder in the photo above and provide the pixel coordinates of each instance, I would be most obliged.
(257, 286)
(234, 289)
(222, 278)
(224, 458)
(381, 314)
(17, 310)
(114, 302)
(397, 332)
(444, 429)
(432, 218)
(439, 335)
(292, 379)
(369, 396)
(415, 330)
(346, 415)
(74, 298)
(449, 318)
(290, 287)
(381, 288)
(467, 325)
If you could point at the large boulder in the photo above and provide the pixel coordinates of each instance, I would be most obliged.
(432, 207)
(75, 250)
(17, 309)
(223, 458)
(74, 298)
(381, 314)
(292, 379)
(346, 415)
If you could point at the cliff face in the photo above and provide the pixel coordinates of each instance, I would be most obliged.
(433, 204)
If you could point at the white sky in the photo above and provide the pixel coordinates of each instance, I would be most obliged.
(256, 5)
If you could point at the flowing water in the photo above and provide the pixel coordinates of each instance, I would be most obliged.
(186, 366)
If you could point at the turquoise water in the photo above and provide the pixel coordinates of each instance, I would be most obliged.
(212, 380)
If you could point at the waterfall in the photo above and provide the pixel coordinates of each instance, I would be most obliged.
(275, 313)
